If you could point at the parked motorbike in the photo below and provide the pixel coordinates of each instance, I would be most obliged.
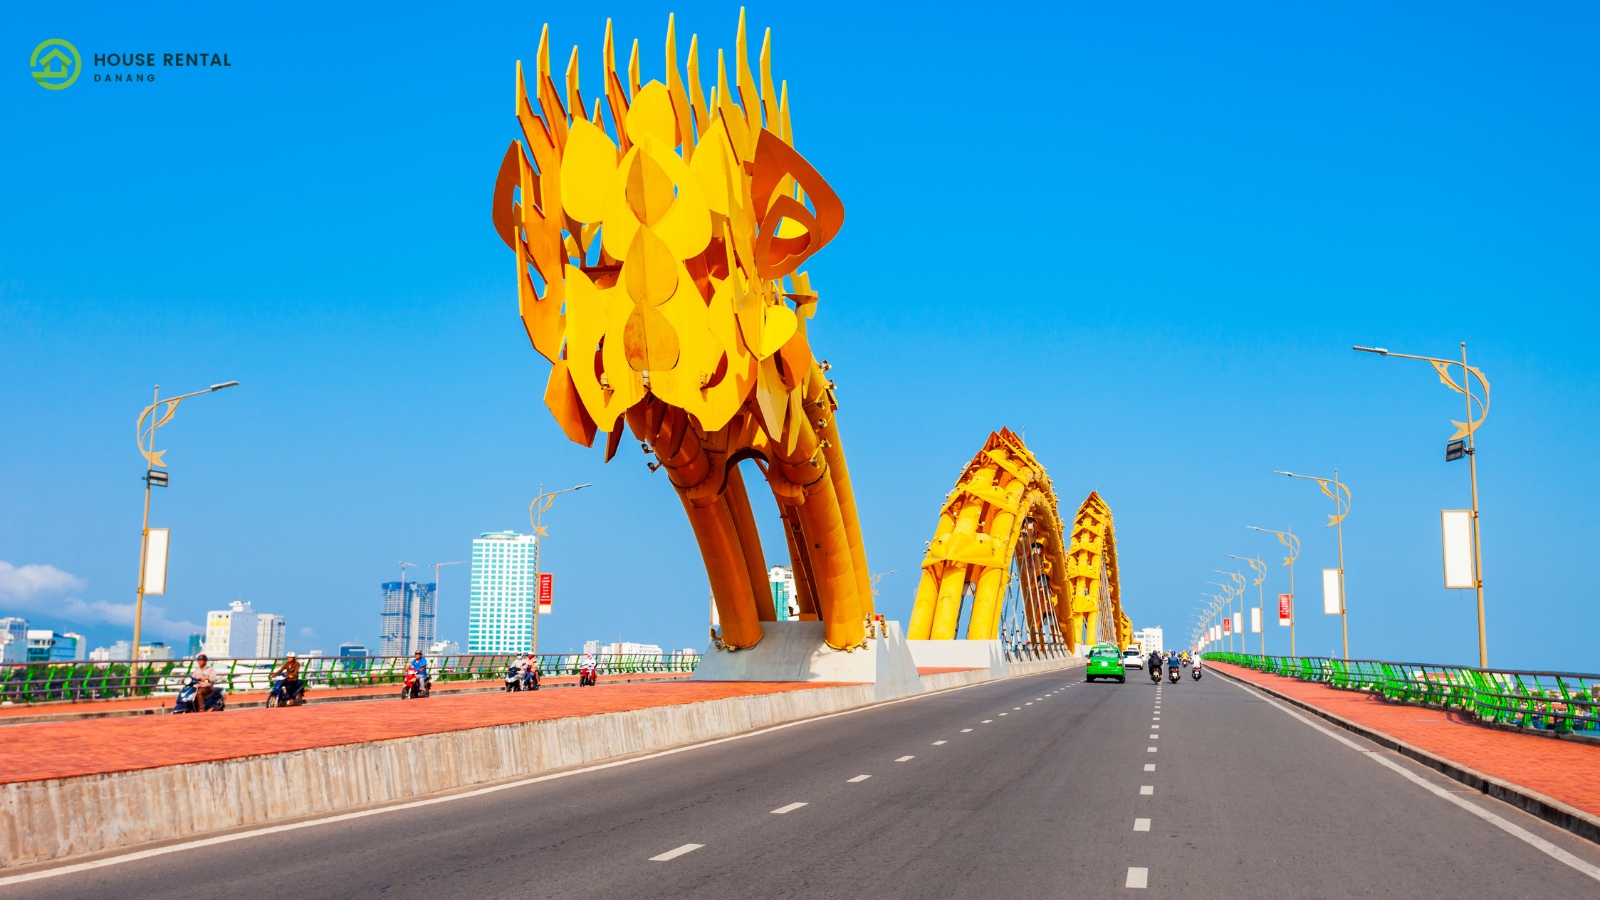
(188, 698)
(277, 697)
(415, 687)
(587, 676)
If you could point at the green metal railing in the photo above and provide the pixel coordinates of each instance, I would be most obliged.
(56, 681)
(1563, 702)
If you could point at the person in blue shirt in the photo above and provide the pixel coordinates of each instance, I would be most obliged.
(420, 663)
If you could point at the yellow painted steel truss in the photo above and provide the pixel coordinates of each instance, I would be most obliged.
(658, 270)
(999, 530)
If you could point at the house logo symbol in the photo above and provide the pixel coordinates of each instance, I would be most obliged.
(55, 64)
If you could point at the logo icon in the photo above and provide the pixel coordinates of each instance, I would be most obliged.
(55, 64)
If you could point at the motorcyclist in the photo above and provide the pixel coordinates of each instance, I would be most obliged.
(1155, 663)
(290, 669)
(420, 664)
(205, 680)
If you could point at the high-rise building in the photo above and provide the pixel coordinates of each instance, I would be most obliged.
(503, 616)
(13, 640)
(783, 599)
(197, 644)
(231, 632)
(270, 636)
(1149, 639)
(120, 650)
(407, 621)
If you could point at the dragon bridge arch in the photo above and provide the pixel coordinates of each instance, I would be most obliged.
(659, 235)
(1001, 562)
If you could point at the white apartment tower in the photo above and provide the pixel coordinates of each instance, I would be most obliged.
(505, 594)
(784, 602)
(231, 632)
(271, 632)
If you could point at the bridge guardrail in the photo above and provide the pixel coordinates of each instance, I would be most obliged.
(1562, 702)
(40, 682)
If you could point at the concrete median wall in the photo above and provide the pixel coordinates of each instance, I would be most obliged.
(59, 818)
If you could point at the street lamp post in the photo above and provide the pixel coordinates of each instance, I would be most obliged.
(1259, 568)
(1287, 539)
(1234, 590)
(536, 511)
(1340, 494)
(1467, 430)
(416, 609)
(146, 439)
(436, 567)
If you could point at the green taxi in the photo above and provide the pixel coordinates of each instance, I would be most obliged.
(1105, 661)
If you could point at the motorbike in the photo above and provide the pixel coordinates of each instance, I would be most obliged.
(1155, 675)
(513, 678)
(188, 699)
(1195, 673)
(415, 687)
(587, 676)
(530, 678)
(1173, 673)
(277, 697)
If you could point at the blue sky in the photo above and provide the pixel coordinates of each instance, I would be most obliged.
(1147, 233)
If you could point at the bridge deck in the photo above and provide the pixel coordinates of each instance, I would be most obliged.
(34, 752)
(1567, 771)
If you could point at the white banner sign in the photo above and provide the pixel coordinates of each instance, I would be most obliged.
(155, 561)
(1255, 620)
(1238, 623)
(1457, 527)
(1332, 597)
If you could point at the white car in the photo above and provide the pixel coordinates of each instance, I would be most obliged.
(1132, 659)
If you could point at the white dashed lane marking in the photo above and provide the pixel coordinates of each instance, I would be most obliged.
(1149, 767)
(904, 758)
(1146, 790)
(986, 722)
(965, 730)
(1150, 749)
(1141, 824)
(859, 778)
(937, 743)
(1138, 877)
(787, 809)
(677, 852)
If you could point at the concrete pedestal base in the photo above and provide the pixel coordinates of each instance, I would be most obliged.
(795, 651)
(989, 655)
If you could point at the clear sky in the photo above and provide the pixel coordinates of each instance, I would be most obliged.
(1146, 233)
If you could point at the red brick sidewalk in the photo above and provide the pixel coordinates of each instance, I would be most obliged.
(34, 752)
(1567, 771)
(20, 710)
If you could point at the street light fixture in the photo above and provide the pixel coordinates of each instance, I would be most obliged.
(536, 511)
(1340, 494)
(155, 476)
(1462, 444)
(1287, 539)
(1260, 569)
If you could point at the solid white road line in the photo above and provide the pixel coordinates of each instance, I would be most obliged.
(1138, 877)
(937, 743)
(1149, 767)
(859, 778)
(674, 854)
(1141, 824)
(1509, 827)
(905, 758)
(787, 809)
(1146, 790)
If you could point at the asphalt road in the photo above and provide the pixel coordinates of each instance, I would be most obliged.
(1035, 787)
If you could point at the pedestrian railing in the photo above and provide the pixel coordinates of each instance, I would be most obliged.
(1563, 702)
(55, 681)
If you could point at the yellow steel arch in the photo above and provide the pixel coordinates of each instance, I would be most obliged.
(999, 524)
(1093, 604)
(999, 529)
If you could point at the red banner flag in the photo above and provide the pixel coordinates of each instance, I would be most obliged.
(1227, 625)
(1285, 609)
(546, 591)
